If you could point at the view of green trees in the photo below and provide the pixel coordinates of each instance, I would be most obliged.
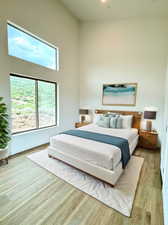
(24, 104)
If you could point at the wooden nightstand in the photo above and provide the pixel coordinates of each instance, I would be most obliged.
(80, 124)
(148, 139)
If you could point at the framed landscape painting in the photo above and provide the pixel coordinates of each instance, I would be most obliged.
(120, 94)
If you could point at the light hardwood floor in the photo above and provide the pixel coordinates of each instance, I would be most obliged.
(30, 195)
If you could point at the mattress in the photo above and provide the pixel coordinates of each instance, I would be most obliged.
(100, 154)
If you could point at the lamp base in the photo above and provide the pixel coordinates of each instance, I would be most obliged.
(83, 119)
(149, 125)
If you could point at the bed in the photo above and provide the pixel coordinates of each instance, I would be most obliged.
(96, 158)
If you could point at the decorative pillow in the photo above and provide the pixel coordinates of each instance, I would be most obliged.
(96, 118)
(111, 114)
(127, 121)
(116, 122)
(103, 121)
(113, 122)
(119, 124)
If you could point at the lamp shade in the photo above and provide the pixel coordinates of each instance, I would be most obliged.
(83, 111)
(150, 115)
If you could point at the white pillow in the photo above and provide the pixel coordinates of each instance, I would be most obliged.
(127, 121)
(96, 117)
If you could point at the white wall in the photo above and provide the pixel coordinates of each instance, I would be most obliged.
(165, 125)
(164, 157)
(124, 51)
(52, 22)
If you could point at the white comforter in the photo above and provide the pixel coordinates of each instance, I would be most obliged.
(104, 155)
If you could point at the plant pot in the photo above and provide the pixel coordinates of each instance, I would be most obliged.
(4, 154)
(3, 149)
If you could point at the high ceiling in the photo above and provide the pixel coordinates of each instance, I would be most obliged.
(116, 9)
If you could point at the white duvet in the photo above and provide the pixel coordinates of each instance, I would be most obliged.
(103, 155)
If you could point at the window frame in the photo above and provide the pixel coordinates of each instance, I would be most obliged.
(37, 38)
(36, 103)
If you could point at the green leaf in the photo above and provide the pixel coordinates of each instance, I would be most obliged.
(4, 125)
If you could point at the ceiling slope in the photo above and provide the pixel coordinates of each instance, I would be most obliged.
(87, 10)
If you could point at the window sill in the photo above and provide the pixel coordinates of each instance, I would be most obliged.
(33, 131)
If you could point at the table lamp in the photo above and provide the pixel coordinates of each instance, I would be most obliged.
(83, 113)
(149, 115)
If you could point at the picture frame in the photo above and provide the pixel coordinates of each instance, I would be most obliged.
(121, 94)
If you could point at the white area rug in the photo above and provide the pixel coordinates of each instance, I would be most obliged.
(119, 198)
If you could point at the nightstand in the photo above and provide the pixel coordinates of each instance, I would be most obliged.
(81, 124)
(148, 139)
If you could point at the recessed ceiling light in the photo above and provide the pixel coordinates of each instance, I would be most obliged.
(103, 1)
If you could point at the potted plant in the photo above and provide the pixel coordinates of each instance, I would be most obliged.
(4, 131)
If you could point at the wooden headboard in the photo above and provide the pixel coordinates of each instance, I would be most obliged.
(136, 123)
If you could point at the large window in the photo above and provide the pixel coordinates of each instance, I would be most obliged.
(34, 103)
(27, 47)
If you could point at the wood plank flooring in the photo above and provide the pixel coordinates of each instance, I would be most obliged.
(30, 195)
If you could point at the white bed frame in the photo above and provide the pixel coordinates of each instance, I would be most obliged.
(109, 176)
